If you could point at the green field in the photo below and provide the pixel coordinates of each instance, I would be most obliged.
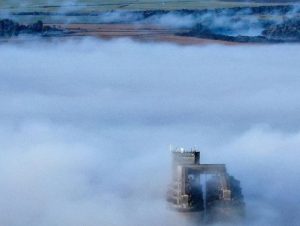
(90, 6)
(105, 5)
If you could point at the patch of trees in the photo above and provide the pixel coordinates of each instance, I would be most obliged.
(9, 28)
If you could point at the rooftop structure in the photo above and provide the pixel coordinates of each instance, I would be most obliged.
(198, 187)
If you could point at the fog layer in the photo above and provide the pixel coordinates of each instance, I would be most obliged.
(85, 129)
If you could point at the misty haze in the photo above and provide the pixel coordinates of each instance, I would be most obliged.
(85, 128)
(94, 94)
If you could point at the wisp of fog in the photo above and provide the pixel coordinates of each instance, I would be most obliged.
(85, 128)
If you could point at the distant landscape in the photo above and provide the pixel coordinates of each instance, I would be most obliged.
(185, 22)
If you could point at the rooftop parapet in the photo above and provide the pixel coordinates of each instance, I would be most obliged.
(182, 156)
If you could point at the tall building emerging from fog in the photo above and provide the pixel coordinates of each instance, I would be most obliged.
(204, 188)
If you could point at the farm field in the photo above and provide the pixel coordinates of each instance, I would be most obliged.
(137, 5)
(142, 33)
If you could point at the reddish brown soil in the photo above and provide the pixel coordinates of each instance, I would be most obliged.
(136, 32)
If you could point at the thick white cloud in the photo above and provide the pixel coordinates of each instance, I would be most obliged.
(85, 128)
